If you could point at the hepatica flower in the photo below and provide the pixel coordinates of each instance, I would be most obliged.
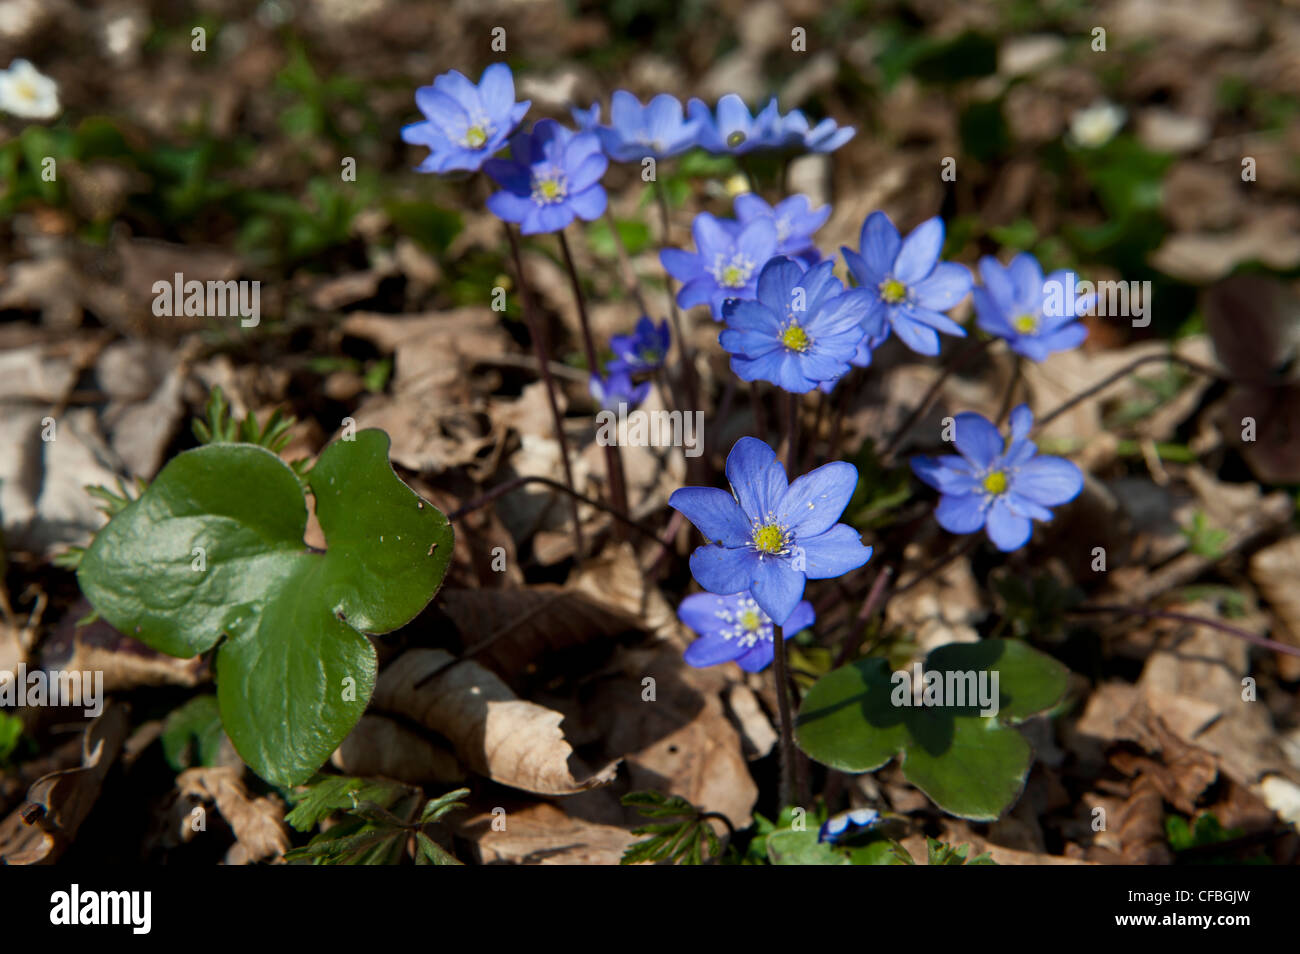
(771, 536)
(1036, 317)
(552, 176)
(465, 124)
(656, 129)
(801, 330)
(616, 388)
(732, 129)
(908, 283)
(1000, 488)
(735, 629)
(826, 136)
(795, 220)
(643, 350)
(725, 263)
(27, 92)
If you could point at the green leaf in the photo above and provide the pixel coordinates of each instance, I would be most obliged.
(192, 734)
(970, 765)
(328, 794)
(213, 553)
(11, 730)
(790, 847)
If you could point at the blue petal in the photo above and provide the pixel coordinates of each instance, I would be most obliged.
(758, 657)
(756, 478)
(1007, 530)
(776, 284)
(944, 287)
(960, 513)
(815, 501)
(723, 570)
(879, 244)
(715, 514)
(700, 611)
(802, 617)
(833, 553)
(775, 587)
(1049, 481)
(976, 438)
(1022, 421)
(713, 649)
(919, 252)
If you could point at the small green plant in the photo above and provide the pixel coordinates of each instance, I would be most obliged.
(688, 839)
(969, 760)
(941, 854)
(1203, 539)
(11, 733)
(380, 818)
(211, 557)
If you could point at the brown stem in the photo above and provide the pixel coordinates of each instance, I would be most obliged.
(1261, 641)
(538, 333)
(787, 751)
(613, 458)
(792, 432)
(891, 446)
(683, 348)
(630, 279)
(500, 490)
(1010, 396)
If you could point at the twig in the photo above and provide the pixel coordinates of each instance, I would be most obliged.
(963, 359)
(1261, 641)
(1119, 376)
(787, 752)
(500, 490)
(613, 459)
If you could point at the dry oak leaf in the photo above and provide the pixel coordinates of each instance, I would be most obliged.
(507, 739)
(258, 823)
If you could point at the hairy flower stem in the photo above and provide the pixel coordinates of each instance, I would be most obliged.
(760, 416)
(810, 442)
(540, 343)
(630, 280)
(1009, 398)
(892, 445)
(613, 458)
(787, 750)
(1261, 641)
(683, 348)
(1119, 376)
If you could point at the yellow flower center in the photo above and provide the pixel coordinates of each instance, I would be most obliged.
(996, 482)
(750, 621)
(893, 291)
(795, 338)
(25, 89)
(733, 276)
(769, 539)
(1026, 324)
(475, 136)
(548, 190)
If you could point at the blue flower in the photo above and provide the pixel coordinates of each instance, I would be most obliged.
(846, 824)
(1000, 488)
(800, 331)
(656, 129)
(826, 136)
(552, 176)
(1036, 317)
(725, 263)
(617, 388)
(465, 124)
(733, 129)
(795, 221)
(643, 350)
(909, 283)
(735, 629)
(586, 119)
(771, 536)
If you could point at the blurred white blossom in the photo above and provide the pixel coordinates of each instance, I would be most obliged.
(26, 91)
(1096, 125)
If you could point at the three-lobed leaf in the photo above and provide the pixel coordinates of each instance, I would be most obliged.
(970, 765)
(212, 555)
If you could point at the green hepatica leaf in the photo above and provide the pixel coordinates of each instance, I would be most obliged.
(969, 764)
(214, 548)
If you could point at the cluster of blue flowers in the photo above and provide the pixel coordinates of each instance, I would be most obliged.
(787, 320)
(636, 355)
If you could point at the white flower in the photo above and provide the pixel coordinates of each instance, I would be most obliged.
(27, 92)
(1096, 125)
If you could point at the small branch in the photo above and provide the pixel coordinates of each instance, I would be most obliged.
(613, 459)
(478, 503)
(931, 395)
(1262, 641)
(786, 718)
(1119, 375)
